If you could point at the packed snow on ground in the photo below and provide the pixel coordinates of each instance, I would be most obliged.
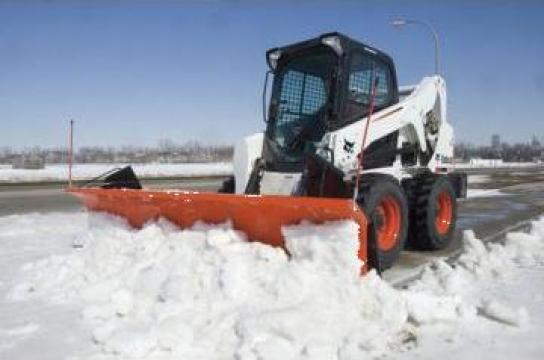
(87, 286)
(478, 179)
(474, 193)
(495, 163)
(89, 171)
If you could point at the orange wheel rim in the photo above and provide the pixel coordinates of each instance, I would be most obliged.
(388, 211)
(444, 212)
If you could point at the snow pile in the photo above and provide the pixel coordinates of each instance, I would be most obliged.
(449, 292)
(59, 172)
(164, 293)
(200, 292)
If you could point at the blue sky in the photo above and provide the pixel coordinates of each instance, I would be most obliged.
(131, 73)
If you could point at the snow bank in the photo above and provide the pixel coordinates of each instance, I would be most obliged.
(195, 293)
(164, 293)
(452, 291)
(88, 171)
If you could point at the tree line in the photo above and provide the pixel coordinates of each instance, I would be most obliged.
(518, 152)
(165, 152)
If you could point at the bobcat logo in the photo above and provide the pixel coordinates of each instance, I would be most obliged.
(348, 146)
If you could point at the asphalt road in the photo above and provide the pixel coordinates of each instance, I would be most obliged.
(48, 197)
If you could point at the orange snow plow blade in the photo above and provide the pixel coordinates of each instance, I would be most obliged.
(259, 216)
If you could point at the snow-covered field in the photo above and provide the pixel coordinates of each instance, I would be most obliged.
(88, 171)
(87, 286)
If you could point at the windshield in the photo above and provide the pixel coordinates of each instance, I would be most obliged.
(299, 99)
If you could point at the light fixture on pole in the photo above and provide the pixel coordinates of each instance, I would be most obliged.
(400, 22)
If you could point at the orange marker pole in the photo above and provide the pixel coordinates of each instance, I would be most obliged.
(70, 153)
(374, 82)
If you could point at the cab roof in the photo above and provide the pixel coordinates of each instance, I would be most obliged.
(347, 46)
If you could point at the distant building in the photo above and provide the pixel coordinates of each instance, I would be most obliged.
(495, 141)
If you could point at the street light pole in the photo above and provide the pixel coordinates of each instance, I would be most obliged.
(399, 22)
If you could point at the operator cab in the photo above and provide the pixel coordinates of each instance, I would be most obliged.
(320, 85)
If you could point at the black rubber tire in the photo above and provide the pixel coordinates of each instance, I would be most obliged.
(370, 196)
(228, 186)
(422, 193)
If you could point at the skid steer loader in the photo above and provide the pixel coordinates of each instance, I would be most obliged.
(342, 141)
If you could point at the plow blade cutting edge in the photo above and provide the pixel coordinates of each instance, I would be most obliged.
(259, 216)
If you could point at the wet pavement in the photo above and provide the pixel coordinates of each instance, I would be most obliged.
(488, 217)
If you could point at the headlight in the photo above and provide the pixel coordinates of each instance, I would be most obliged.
(334, 43)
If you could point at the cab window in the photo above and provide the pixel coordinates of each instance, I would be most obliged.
(360, 78)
